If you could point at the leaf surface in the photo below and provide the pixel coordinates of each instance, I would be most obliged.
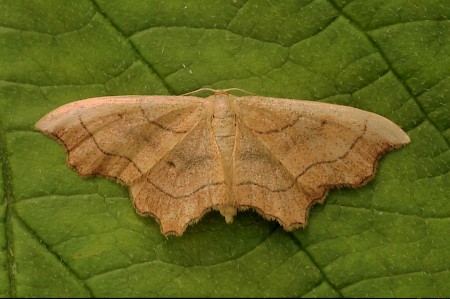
(62, 235)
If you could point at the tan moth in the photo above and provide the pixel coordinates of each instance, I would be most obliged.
(182, 156)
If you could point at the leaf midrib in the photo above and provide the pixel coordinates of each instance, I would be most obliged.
(389, 64)
(133, 47)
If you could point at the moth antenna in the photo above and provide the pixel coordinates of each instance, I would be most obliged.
(200, 89)
(238, 89)
(217, 91)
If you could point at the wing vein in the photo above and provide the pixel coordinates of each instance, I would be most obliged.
(171, 148)
(272, 156)
(184, 195)
(106, 152)
(295, 178)
(154, 122)
(338, 158)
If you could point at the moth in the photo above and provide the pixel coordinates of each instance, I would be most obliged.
(182, 156)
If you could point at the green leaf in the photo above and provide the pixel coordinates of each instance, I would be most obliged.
(62, 235)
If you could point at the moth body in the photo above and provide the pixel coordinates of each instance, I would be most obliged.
(223, 123)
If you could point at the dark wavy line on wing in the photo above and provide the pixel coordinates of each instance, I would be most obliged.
(185, 195)
(312, 165)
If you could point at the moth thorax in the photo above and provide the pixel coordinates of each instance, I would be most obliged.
(223, 123)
